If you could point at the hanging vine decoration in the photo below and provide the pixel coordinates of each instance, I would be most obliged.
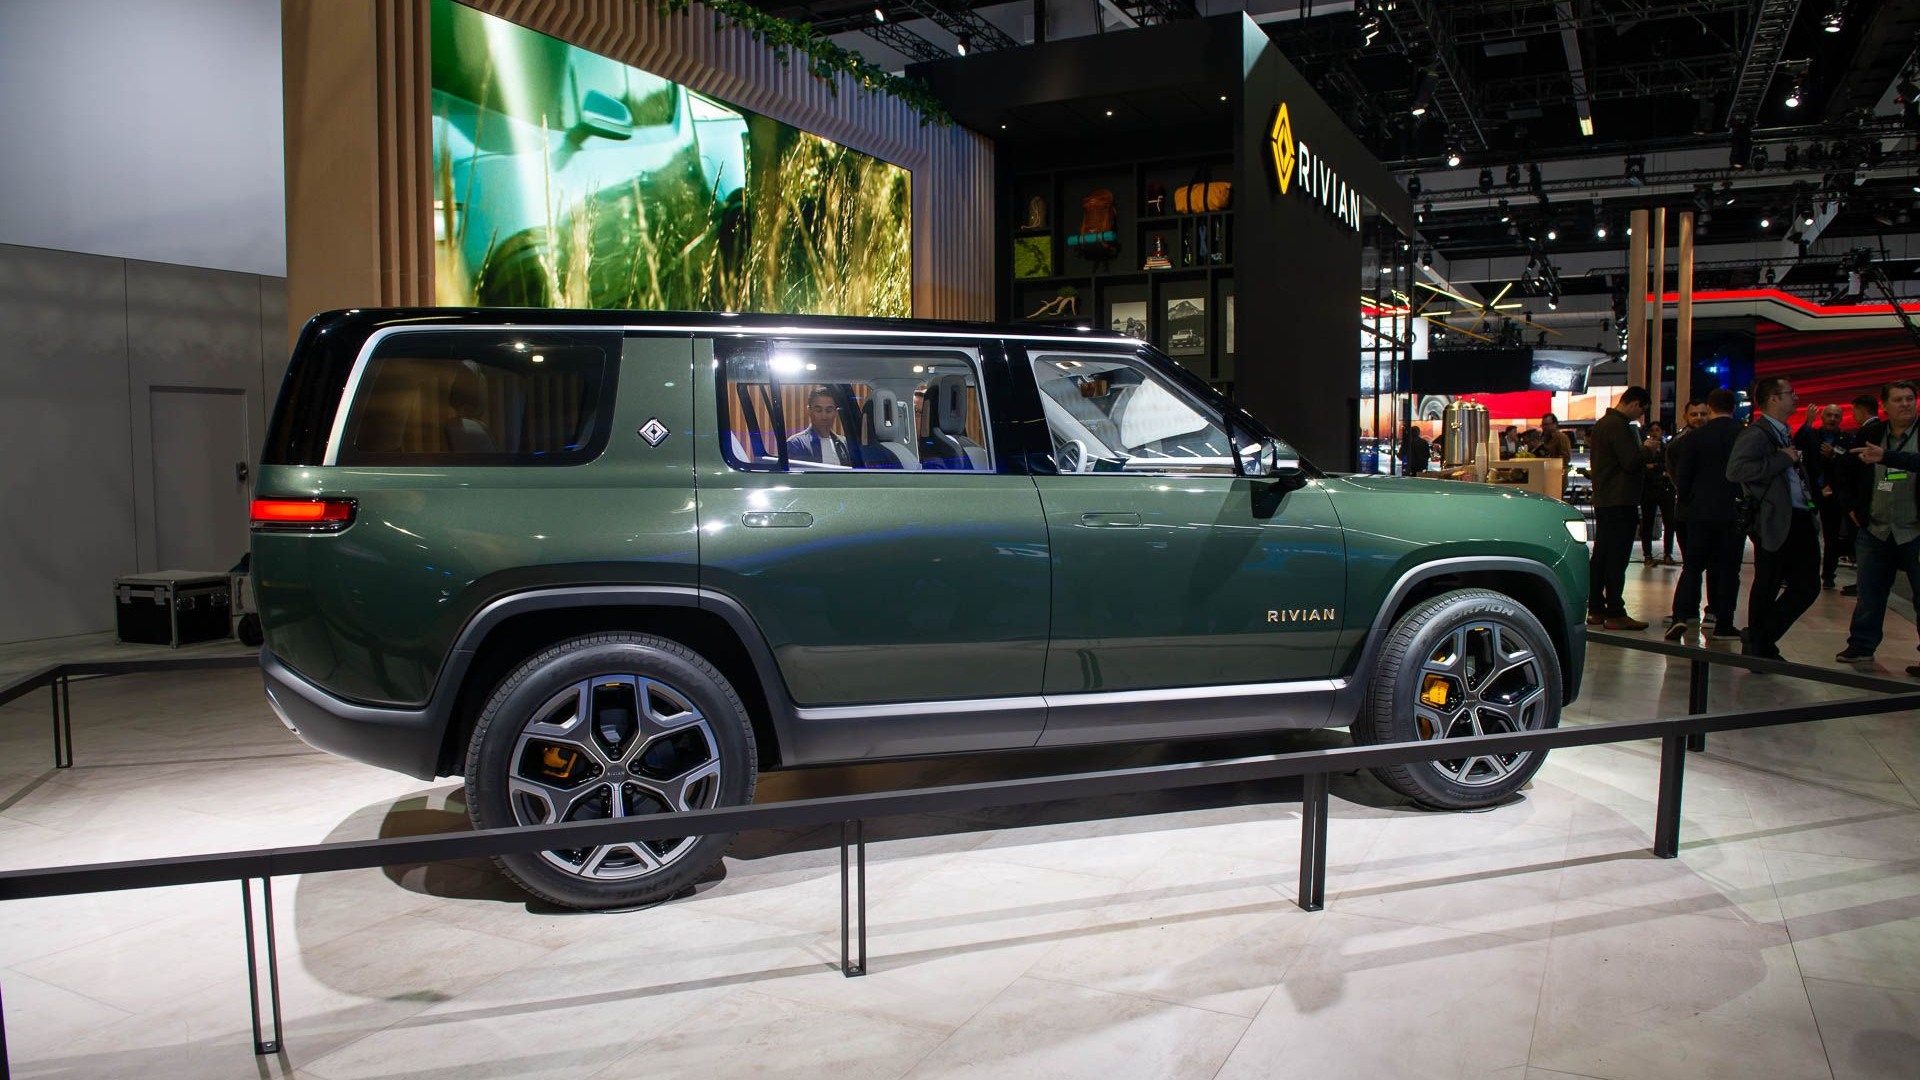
(824, 59)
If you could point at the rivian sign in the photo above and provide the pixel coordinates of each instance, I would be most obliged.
(1295, 164)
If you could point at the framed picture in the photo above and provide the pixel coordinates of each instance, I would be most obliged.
(1032, 256)
(1130, 318)
(1187, 326)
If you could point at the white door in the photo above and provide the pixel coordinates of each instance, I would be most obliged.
(200, 477)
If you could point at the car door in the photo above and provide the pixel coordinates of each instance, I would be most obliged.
(884, 557)
(1175, 580)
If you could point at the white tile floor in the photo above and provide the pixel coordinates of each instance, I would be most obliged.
(1145, 937)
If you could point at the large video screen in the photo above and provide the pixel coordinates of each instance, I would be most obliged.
(562, 178)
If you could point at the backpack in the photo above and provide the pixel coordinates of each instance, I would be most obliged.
(1096, 239)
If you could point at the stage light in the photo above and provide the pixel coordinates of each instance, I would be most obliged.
(1600, 232)
(1513, 176)
(1486, 180)
(1742, 146)
(1766, 222)
(960, 47)
(1636, 170)
(1553, 234)
(1771, 276)
(879, 16)
(1834, 19)
(1453, 157)
(1793, 95)
(1413, 187)
(1423, 86)
(1505, 215)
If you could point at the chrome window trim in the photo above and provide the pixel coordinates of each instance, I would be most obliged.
(352, 388)
(1100, 699)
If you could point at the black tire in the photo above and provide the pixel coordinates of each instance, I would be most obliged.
(248, 630)
(656, 719)
(1519, 689)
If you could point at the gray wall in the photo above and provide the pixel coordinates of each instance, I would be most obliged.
(83, 340)
(146, 129)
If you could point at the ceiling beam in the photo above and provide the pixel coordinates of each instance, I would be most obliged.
(904, 41)
(1772, 23)
(974, 31)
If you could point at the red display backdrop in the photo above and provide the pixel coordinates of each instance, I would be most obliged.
(1833, 366)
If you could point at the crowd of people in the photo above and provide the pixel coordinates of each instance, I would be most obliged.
(1806, 498)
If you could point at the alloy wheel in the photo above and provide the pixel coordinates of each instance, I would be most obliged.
(608, 747)
(1483, 678)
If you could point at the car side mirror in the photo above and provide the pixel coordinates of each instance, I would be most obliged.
(603, 115)
(1267, 462)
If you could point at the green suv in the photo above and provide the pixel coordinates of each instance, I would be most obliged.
(610, 563)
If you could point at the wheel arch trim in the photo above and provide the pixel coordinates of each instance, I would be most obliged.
(1353, 692)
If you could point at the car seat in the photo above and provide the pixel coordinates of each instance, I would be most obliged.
(948, 395)
(465, 432)
(884, 443)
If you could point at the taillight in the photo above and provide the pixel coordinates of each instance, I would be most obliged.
(302, 515)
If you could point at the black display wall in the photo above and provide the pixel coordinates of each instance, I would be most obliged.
(1299, 258)
(1129, 109)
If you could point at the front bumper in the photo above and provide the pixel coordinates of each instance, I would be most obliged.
(403, 740)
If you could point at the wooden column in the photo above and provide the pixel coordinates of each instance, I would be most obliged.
(1656, 333)
(359, 139)
(1637, 300)
(1683, 318)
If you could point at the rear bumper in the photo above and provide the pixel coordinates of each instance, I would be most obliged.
(403, 740)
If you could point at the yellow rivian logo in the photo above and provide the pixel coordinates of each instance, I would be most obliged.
(1280, 143)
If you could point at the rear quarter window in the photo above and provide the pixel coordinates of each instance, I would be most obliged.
(481, 397)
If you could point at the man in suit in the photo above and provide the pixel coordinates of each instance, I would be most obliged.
(818, 443)
(1713, 546)
(1693, 417)
(1619, 460)
(1786, 556)
(1821, 450)
(1884, 502)
(1866, 422)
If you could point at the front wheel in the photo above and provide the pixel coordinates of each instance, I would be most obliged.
(1469, 662)
(606, 726)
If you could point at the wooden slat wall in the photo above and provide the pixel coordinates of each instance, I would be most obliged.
(359, 142)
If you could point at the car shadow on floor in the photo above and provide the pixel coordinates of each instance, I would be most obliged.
(444, 809)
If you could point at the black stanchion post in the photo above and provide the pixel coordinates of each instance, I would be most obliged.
(853, 906)
(262, 1046)
(1313, 841)
(1673, 771)
(62, 722)
(1697, 700)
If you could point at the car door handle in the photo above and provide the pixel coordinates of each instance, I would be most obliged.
(1110, 521)
(776, 519)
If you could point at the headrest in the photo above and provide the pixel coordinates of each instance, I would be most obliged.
(949, 396)
(885, 421)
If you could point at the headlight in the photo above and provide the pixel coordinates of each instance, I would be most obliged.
(1577, 528)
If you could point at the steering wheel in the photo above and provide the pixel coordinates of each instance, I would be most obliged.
(1072, 457)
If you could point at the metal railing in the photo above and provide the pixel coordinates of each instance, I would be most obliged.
(1313, 767)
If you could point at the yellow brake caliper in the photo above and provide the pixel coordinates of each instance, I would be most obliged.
(558, 763)
(1435, 692)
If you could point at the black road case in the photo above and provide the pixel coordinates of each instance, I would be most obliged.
(174, 607)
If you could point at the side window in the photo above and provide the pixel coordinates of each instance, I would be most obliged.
(482, 397)
(808, 406)
(1109, 412)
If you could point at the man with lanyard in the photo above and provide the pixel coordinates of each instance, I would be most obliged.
(1885, 506)
(1786, 549)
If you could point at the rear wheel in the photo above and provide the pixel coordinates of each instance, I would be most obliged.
(1469, 662)
(607, 726)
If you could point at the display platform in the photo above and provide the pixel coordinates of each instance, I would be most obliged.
(1155, 936)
